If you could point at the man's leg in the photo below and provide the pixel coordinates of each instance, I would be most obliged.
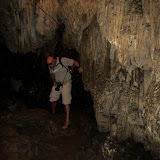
(67, 109)
(54, 107)
(66, 97)
(54, 96)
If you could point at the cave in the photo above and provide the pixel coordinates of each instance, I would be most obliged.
(115, 109)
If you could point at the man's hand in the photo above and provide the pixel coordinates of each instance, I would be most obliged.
(80, 69)
(55, 83)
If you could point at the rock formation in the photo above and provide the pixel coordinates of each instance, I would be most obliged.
(119, 46)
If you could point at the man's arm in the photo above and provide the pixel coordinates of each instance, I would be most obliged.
(54, 80)
(80, 69)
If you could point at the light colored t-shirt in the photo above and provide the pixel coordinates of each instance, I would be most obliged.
(60, 72)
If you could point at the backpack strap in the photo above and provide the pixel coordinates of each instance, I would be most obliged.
(60, 62)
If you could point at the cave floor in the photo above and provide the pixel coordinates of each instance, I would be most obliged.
(38, 134)
(71, 143)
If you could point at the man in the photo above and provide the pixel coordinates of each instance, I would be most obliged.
(62, 83)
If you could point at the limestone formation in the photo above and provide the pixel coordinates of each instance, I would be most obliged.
(32, 25)
(121, 58)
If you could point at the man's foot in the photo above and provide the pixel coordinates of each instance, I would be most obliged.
(67, 124)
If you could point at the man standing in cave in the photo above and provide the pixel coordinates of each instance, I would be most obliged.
(62, 83)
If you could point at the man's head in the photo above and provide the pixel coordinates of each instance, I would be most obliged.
(51, 61)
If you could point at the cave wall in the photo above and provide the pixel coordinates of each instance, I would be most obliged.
(26, 25)
(122, 56)
(119, 46)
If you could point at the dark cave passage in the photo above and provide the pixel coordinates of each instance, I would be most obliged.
(25, 79)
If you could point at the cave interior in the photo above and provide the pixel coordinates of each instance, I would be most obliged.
(115, 109)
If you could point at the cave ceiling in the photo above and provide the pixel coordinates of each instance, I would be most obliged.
(33, 25)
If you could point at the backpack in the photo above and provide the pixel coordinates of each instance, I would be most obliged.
(69, 69)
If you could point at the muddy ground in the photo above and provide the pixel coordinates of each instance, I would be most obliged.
(38, 134)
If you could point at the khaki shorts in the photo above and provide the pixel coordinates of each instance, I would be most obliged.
(65, 90)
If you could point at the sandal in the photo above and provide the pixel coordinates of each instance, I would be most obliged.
(67, 124)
